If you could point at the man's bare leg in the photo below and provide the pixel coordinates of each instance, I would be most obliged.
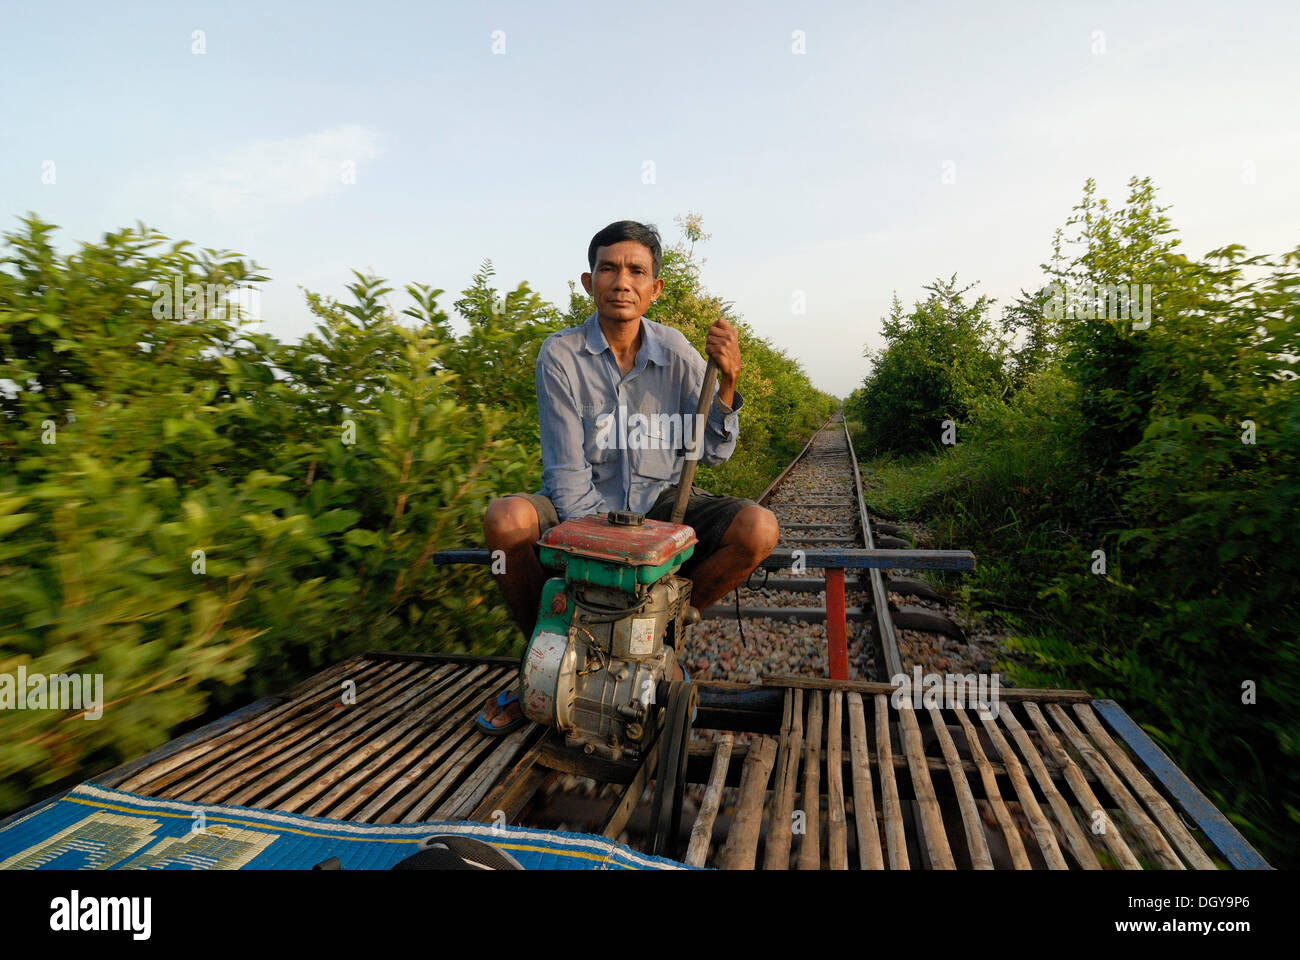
(511, 526)
(750, 537)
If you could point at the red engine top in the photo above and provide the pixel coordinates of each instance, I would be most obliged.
(650, 543)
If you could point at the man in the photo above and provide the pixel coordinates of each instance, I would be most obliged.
(585, 374)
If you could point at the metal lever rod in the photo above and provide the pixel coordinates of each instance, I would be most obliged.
(701, 413)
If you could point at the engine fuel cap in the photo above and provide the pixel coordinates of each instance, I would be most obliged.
(626, 518)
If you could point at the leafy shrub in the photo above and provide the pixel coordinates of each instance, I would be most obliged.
(1132, 503)
(937, 362)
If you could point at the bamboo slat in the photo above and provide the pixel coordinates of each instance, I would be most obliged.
(864, 802)
(741, 848)
(512, 790)
(414, 763)
(437, 772)
(1043, 831)
(408, 750)
(932, 830)
(448, 774)
(891, 811)
(976, 845)
(1092, 807)
(461, 803)
(702, 832)
(352, 729)
(1010, 834)
(1074, 836)
(837, 839)
(1146, 829)
(156, 778)
(1160, 809)
(776, 853)
(279, 752)
(935, 765)
(345, 797)
(438, 690)
(810, 843)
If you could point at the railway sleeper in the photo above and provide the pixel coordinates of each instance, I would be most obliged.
(721, 611)
(809, 584)
(893, 543)
(905, 586)
(911, 587)
(922, 618)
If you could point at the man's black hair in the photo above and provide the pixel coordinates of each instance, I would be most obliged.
(643, 233)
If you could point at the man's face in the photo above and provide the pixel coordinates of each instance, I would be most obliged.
(623, 284)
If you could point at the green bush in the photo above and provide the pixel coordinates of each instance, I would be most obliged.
(1132, 504)
(938, 361)
(194, 511)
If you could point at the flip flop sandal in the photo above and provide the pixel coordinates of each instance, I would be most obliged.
(504, 699)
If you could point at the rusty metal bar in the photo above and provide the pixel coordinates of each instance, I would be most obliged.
(837, 637)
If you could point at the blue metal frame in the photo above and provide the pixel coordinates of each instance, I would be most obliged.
(1220, 831)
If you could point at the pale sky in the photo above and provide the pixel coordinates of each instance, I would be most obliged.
(821, 173)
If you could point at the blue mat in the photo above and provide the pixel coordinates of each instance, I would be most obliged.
(93, 828)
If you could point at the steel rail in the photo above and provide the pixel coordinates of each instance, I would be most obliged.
(887, 656)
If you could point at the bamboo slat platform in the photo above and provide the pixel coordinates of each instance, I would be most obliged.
(834, 775)
(373, 740)
(1035, 782)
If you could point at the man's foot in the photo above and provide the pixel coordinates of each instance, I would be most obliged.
(501, 713)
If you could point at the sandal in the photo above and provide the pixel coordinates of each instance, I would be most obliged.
(504, 699)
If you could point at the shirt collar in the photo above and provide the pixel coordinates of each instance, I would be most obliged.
(651, 342)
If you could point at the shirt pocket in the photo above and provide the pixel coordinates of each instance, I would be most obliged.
(654, 462)
(653, 441)
(599, 433)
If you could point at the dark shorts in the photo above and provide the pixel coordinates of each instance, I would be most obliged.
(708, 514)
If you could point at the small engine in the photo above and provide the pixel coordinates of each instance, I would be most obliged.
(605, 647)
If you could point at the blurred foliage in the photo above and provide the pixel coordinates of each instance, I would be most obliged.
(1174, 450)
(204, 515)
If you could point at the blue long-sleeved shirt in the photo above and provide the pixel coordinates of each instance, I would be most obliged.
(615, 442)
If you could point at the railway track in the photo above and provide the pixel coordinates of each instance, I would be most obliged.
(778, 622)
